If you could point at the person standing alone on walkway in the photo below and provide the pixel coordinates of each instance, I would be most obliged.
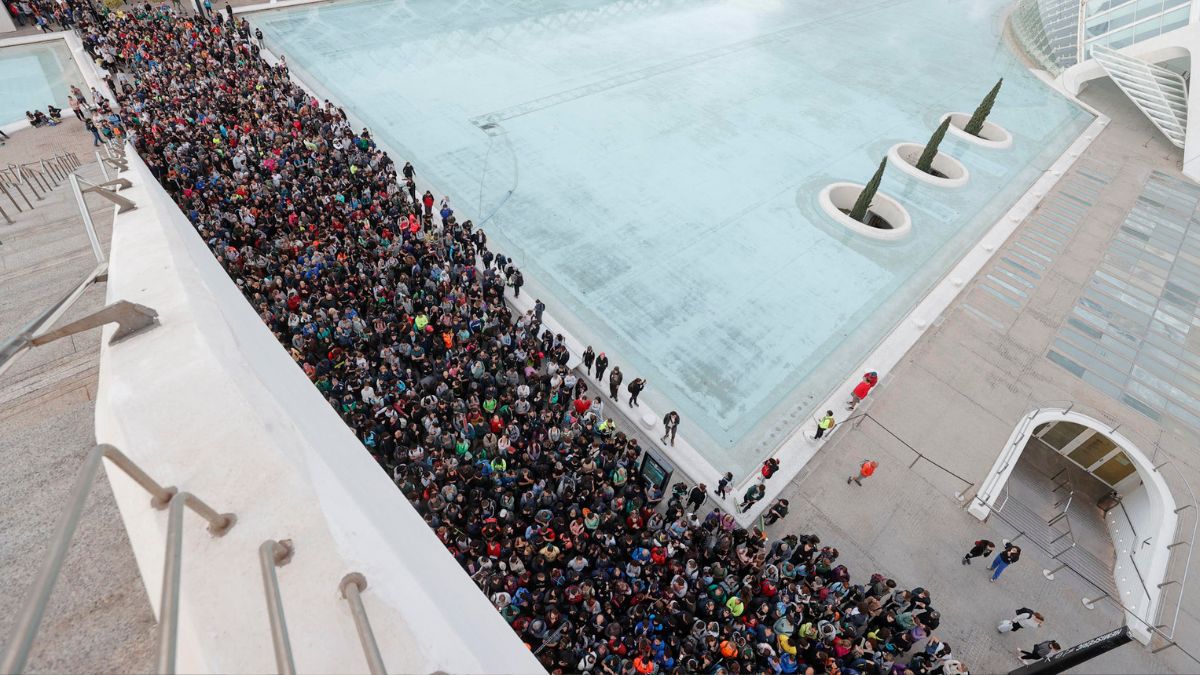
(614, 383)
(1008, 556)
(865, 470)
(778, 511)
(588, 357)
(724, 483)
(824, 424)
(982, 547)
(769, 467)
(671, 425)
(862, 389)
(601, 365)
(635, 388)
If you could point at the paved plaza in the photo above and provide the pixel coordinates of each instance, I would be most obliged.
(955, 399)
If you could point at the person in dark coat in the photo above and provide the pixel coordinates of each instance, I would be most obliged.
(982, 547)
(635, 388)
(601, 366)
(1010, 555)
(614, 384)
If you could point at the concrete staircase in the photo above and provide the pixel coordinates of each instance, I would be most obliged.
(99, 618)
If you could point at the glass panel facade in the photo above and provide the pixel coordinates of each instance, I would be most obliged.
(1049, 31)
(1115, 470)
(1092, 450)
(1119, 23)
(1060, 434)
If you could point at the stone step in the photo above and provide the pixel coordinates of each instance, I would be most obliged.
(74, 388)
(48, 374)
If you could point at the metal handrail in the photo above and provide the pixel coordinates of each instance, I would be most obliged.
(17, 345)
(1191, 543)
(30, 616)
(352, 586)
(1144, 443)
(26, 338)
(168, 608)
(272, 554)
(86, 215)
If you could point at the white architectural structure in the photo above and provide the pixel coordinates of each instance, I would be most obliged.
(1117, 461)
(1145, 46)
(1159, 92)
(282, 461)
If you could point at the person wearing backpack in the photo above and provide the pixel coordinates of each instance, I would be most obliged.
(982, 547)
(769, 467)
(1024, 618)
(635, 387)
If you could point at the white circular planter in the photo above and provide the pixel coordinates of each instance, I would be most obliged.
(838, 197)
(991, 136)
(904, 156)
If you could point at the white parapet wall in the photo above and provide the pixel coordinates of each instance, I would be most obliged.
(210, 402)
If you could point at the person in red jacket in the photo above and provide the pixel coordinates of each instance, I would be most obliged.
(769, 467)
(581, 405)
(862, 389)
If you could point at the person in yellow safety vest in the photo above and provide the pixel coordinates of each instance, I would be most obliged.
(824, 424)
(735, 606)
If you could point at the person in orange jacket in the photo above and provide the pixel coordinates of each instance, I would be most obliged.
(865, 470)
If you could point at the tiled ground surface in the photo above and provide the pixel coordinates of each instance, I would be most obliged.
(1003, 290)
(1132, 331)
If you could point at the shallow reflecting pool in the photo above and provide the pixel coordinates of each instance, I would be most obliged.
(655, 166)
(34, 76)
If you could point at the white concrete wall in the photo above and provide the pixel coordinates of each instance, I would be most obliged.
(1129, 528)
(209, 401)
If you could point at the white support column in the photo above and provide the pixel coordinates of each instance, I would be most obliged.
(1191, 146)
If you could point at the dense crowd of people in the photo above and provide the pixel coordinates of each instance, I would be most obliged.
(397, 313)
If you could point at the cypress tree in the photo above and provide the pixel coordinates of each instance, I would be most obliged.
(859, 212)
(976, 124)
(931, 148)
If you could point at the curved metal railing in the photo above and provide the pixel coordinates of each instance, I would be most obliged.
(1180, 559)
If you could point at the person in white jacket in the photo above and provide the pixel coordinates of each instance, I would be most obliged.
(1024, 618)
